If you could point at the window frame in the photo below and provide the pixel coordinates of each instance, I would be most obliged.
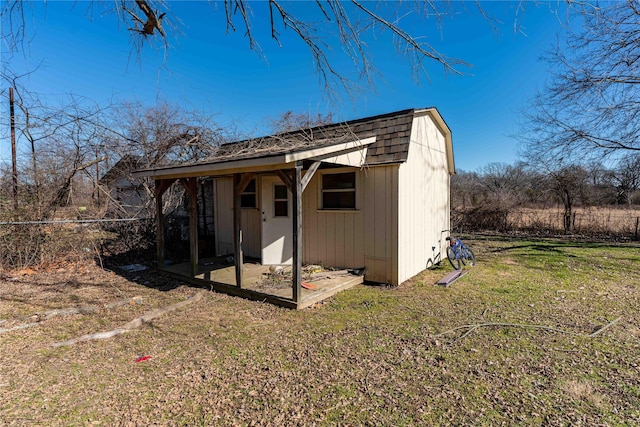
(276, 200)
(253, 193)
(323, 190)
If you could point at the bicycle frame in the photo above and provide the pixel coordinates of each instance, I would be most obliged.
(457, 246)
(459, 254)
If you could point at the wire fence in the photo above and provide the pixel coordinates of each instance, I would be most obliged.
(71, 221)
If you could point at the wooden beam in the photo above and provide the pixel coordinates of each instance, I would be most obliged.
(255, 164)
(297, 232)
(162, 185)
(286, 179)
(246, 179)
(237, 229)
(310, 172)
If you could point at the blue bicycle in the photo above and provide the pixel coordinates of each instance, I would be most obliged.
(459, 254)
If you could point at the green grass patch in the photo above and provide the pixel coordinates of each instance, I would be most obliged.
(509, 343)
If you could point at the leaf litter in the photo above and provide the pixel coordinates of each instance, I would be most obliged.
(369, 356)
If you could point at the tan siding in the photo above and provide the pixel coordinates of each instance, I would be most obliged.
(380, 231)
(340, 237)
(331, 238)
(251, 232)
(310, 247)
(359, 225)
(423, 199)
(349, 242)
(223, 213)
(392, 209)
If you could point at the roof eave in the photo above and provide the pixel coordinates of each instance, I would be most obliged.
(259, 164)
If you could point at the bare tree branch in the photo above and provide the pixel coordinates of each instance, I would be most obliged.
(591, 107)
(350, 22)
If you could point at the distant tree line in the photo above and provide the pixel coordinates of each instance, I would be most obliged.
(494, 197)
(586, 116)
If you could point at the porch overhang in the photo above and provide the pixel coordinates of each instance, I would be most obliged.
(351, 153)
(287, 165)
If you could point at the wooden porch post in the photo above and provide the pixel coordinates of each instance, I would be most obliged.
(237, 229)
(297, 232)
(240, 182)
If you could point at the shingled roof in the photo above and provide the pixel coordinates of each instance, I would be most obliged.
(387, 137)
(123, 168)
(392, 132)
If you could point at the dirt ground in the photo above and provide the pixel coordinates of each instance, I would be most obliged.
(372, 355)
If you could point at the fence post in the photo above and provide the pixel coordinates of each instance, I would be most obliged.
(635, 234)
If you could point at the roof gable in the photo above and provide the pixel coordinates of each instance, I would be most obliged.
(127, 164)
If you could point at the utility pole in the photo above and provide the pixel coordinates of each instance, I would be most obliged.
(13, 151)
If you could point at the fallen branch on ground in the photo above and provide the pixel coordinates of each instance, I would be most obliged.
(473, 327)
(85, 309)
(15, 328)
(605, 327)
(135, 323)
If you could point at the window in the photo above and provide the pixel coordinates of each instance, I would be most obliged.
(248, 196)
(339, 191)
(280, 200)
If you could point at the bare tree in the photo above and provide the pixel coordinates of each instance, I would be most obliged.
(591, 107)
(290, 121)
(152, 21)
(485, 199)
(53, 146)
(601, 182)
(143, 137)
(350, 23)
(568, 184)
(72, 144)
(626, 176)
(505, 184)
(465, 190)
(162, 134)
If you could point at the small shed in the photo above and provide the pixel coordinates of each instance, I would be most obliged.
(119, 185)
(369, 194)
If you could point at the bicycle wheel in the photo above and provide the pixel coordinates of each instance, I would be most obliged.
(453, 259)
(468, 257)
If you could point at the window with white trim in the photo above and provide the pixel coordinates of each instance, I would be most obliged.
(339, 190)
(280, 200)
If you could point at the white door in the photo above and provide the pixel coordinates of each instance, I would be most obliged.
(277, 222)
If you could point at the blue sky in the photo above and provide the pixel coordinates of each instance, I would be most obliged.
(79, 48)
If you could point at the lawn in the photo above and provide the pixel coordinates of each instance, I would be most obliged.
(519, 340)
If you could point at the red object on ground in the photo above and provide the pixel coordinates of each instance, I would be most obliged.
(308, 285)
(142, 358)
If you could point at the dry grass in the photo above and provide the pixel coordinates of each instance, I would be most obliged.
(588, 220)
(369, 356)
